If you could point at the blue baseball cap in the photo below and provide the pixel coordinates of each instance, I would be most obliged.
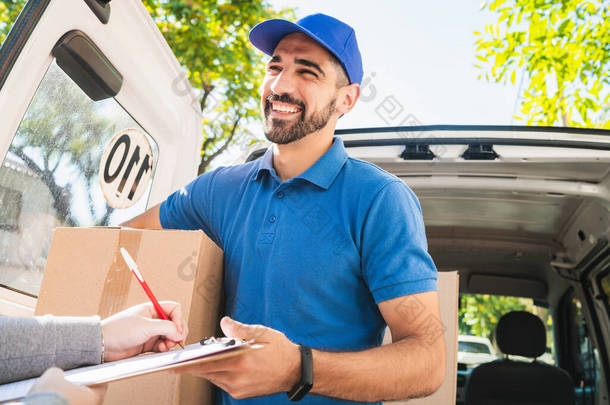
(336, 36)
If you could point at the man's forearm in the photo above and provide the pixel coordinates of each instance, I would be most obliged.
(149, 219)
(409, 368)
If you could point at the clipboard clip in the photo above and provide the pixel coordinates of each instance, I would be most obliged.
(225, 341)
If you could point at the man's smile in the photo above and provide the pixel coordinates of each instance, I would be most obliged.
(285, 107)
(282, 110)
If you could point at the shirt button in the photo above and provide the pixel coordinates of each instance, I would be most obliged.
(272, 218)
(280, 194)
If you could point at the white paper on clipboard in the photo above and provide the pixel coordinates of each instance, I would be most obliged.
(132, 367)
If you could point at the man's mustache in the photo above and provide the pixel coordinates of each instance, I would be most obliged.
(285, 98)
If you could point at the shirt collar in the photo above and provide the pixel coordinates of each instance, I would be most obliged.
(265, 164)
(322, 173)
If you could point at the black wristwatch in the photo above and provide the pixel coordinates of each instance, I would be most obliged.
(306, 382)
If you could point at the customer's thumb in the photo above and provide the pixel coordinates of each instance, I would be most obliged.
(53, 373)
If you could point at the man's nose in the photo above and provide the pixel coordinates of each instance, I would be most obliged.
(282, 84)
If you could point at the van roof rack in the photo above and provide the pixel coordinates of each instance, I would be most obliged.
(558, 137)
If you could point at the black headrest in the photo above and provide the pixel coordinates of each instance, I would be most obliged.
(520, 333)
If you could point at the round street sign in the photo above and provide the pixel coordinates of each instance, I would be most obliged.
(126, 168)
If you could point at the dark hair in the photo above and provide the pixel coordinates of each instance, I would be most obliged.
(342, 79)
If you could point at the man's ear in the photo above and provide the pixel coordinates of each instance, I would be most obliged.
(348, 95)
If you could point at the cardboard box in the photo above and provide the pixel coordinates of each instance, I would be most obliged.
(85, 275)
(448, 297)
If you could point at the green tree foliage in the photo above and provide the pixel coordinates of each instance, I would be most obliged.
(9, 10)
(479, 313)
(210, 39)
(563, 46)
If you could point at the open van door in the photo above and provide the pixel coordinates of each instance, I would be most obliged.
(98, 122)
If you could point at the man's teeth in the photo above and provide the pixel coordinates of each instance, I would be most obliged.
(285, 108)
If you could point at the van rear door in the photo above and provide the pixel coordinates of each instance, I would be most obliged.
(98, 122)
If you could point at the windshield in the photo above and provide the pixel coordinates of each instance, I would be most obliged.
(478, 316)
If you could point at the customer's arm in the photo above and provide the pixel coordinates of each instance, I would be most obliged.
(28, 346)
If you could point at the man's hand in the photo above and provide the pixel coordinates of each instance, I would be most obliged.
(138, 329)
(274, 368)
(53, 381)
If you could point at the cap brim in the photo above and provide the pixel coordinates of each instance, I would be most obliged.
(267, 34)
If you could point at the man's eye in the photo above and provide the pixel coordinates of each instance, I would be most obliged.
(310, 72)
(274, 68)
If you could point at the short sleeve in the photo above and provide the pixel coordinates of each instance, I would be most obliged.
(395, 259)
(189, 207)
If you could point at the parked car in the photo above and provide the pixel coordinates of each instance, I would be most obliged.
(474, 350)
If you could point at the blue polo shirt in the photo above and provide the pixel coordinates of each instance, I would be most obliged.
(311, 256)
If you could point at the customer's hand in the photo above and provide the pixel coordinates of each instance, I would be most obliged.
(53, 381)
(138, 329)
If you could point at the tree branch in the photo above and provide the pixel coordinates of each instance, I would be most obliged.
(207, 89)
(208, 141)
(28, 161)
(57, 164)
(206, 161)
(106, 217)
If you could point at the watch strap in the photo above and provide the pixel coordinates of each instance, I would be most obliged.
(305, 383)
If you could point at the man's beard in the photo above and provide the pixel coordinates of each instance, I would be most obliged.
(282, 132)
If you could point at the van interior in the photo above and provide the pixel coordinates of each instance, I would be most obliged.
(518, 212)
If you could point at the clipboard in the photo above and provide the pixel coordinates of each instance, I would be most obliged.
(136, 366)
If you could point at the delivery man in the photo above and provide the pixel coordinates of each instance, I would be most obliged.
(321, 250)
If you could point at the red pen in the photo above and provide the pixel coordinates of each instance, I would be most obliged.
(134, 269)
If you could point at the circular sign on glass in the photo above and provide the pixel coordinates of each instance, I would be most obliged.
(126, 168)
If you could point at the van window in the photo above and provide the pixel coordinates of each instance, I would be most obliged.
(49, 176)
(478, 316)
